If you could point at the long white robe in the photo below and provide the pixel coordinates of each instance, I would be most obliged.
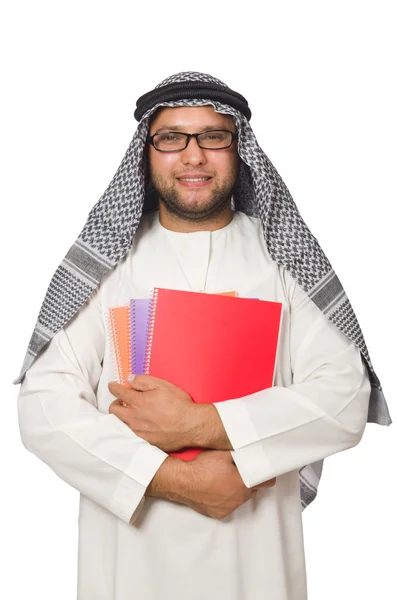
(133, 547)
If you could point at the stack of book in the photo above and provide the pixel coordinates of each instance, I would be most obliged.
(216, 347)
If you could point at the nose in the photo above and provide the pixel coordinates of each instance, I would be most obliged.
(193, 154)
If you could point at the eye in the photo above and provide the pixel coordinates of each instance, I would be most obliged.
(168, 137)
(214, 135)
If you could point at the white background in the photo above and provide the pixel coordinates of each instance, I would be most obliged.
(320, 78)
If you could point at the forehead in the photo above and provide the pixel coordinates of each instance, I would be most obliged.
(192, 118)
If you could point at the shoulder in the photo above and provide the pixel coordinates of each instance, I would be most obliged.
(251, 227)
(115, 279)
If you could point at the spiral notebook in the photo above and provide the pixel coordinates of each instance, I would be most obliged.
(140, 309)
(119, 323)
(128, 330)
(215, 347)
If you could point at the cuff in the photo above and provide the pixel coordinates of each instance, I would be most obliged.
(129, 497)
(253, 464)
(248, 454)
(237, 423)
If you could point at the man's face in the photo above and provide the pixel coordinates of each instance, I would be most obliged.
(196, 201)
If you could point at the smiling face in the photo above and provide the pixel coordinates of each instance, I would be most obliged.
(188, 203)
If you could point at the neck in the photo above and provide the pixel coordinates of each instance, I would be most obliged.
(186, 225)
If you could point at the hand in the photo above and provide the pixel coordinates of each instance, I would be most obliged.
(156, 410)
(217, 488)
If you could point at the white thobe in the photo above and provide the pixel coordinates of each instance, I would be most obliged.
(137, 547)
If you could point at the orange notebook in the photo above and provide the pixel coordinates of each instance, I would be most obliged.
(119, 326)
(215, 347)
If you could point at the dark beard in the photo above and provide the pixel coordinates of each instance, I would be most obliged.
(217, 204)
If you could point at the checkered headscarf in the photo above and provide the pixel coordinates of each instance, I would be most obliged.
(112, 222)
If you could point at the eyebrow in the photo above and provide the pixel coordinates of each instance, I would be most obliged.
(180, 127)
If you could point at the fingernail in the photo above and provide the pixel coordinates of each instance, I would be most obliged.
(130, 378)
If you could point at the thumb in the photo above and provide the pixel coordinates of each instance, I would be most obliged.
(142, 383)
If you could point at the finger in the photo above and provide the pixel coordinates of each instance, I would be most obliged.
(112, 404)
(113, 386)
(124, 414)
(144, 383)
(127, 395)
(122, 403)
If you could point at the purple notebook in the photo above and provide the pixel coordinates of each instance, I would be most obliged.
(140, 309)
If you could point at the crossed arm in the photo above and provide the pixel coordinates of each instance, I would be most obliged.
(271, 432)
(165, 415)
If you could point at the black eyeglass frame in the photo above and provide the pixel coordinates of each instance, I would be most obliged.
(195, 135)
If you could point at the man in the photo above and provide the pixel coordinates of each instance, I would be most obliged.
(226, 525)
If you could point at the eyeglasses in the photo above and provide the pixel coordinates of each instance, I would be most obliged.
(175, 141)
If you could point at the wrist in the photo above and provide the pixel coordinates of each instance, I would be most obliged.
(209, 431)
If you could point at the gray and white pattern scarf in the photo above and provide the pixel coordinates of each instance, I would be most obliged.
(111, 225)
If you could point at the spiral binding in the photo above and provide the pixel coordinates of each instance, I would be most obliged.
(129, 325)
(116, 348)
(150, 330)
(132, 337)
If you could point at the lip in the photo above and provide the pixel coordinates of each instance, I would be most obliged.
(191, 184)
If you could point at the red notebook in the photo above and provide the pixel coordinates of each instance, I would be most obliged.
(214, 347)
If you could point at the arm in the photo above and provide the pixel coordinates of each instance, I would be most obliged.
(209, 430)
(324, 411)
(171, 481)
(60, 423)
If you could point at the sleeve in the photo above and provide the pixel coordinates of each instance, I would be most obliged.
(281, 429)
(60, 423)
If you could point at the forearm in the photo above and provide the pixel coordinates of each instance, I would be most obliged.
(60, 423)
(279, 429)
(174, 479)
(171, 481)
(323, 410)
(208, 430)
